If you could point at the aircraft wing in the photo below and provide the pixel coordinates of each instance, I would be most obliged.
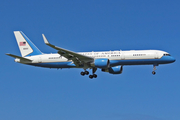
(78, 59)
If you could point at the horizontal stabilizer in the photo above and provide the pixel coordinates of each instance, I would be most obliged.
(21, 58)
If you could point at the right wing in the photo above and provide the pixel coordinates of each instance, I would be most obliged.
(78, 59)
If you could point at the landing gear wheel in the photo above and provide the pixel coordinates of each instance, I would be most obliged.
(153, 72)
(82, 73)
(91, 76)
(86, 72)
(94, 75)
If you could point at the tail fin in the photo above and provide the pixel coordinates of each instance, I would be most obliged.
(26, 47)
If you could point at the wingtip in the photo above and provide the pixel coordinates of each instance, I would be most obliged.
(45, 40)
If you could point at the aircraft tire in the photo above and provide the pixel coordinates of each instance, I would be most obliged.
(82, 73)
(91, 76)
(153, 72)
(86, 72)
(94, 75)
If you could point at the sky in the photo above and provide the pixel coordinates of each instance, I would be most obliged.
(34, 93)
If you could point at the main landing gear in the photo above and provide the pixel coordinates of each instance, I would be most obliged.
(93, 76)
(84, 73)
(87, 73)
(154, 68)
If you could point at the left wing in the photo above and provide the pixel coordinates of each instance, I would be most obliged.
(78, 59)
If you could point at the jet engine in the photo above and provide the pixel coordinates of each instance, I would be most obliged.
(114, 70)
(101, 63)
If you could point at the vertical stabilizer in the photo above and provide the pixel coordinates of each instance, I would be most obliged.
(26, 47)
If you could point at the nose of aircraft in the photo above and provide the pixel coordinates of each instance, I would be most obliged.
(173, 59)
(169, 59)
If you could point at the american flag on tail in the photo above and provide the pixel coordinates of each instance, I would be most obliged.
(22, 43)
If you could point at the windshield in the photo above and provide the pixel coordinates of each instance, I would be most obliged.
(167, 55)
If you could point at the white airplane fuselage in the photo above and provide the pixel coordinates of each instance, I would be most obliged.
(132, 57)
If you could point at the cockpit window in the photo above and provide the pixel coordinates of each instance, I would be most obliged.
(167, 55)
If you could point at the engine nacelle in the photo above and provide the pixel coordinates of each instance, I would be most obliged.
(101, 63)
(114, 70)
(17, 60)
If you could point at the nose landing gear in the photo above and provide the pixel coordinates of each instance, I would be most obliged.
(154, 68)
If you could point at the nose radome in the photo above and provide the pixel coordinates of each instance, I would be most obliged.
(173, 59)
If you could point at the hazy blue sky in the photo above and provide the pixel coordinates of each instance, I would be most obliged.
(33, 93)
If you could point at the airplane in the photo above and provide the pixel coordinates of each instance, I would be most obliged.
(108, 61)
